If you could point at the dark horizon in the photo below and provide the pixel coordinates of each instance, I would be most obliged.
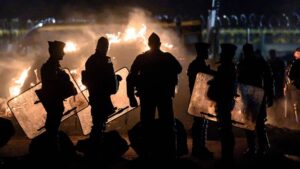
(38, 9)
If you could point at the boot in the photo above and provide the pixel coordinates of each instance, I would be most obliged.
(251, 150)
(199, 134)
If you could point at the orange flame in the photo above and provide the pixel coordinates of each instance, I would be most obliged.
(70, 47)
(133, 33)
(16, 88)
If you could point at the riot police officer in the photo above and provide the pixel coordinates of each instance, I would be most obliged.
(153, 75)
(278, 69)
(224, 85)
(199, 128)
(100, 79)
(254, 70)
(56, 86)
(294, 76)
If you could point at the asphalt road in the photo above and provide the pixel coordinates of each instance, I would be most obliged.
(285, 152)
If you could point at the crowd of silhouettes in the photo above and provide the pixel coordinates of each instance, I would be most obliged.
(152, 78)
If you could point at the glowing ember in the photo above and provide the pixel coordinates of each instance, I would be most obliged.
(16, 88)
(168, 46)
(70, 47)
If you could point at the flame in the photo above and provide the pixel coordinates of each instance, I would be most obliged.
(134, 33)
(130, 34)
(77, 77)
(16, 89)
(113, 38)
(70, 47)
(168, 45)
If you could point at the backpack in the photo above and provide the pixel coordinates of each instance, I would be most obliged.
(157, 137)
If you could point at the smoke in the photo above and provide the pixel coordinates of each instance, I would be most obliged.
(120, 24)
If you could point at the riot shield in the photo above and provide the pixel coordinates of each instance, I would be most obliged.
(31, 114)
(245, 111)
(119, 100)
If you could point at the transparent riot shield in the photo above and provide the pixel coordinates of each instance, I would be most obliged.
(31, 115)
(119, 100)
(246, 109)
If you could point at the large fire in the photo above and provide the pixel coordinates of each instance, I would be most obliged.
(132, 34)
(70, 47)
(129, 35)
(15, 89)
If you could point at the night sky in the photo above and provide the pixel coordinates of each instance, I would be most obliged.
(57, 8)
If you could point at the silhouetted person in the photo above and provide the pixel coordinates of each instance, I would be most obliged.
(56, 86)
(294, 73)
(254, 70)
(294, 76)
(154, 75)
(7, 130)
(199, 128)
(101, 83)
(225, 88)
(278, 69)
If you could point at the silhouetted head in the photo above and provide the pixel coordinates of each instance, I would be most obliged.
(102, 45)
(248, 50)
(272, 53)
(154, 41)
(227, 52)
(202, 50)
(56, 49)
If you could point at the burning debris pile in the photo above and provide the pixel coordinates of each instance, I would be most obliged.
(126, 42)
